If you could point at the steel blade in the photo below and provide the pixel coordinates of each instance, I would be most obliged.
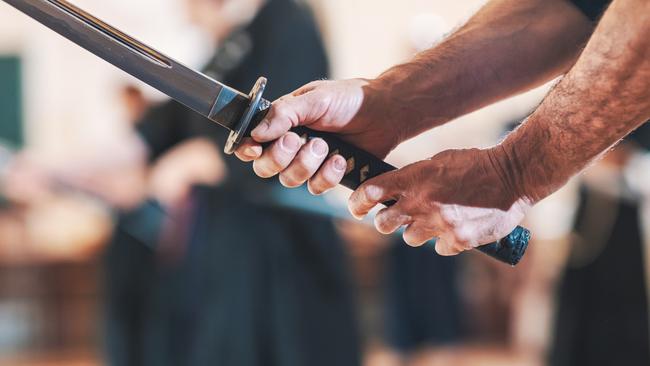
(195, 90)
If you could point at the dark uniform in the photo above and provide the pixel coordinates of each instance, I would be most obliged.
(602, 310)
(256, 284)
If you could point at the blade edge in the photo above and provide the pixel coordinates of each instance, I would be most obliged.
(192, 89)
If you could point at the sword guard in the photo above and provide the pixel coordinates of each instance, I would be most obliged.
(238, 133)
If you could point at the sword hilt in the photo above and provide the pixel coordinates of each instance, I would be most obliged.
(362, 166)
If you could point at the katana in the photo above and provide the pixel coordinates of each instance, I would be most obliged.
(229, 108)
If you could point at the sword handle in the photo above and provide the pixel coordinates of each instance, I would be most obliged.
(363, 166)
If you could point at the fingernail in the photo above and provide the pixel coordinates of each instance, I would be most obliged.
(319, 148)
(290, 143)
(373, 192)
(261, 128)
(340, 164)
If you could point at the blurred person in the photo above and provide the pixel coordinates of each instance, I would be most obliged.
(422, 301)
(56, 221)
(236, 278)
(466, 198)
(134, 101)
(602, 305)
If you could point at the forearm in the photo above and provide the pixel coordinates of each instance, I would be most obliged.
(603, 98)
(506, 48)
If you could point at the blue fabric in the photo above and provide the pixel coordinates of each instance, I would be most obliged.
(592, 8)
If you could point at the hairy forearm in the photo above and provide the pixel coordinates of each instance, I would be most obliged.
(509, 46)
(604, 97)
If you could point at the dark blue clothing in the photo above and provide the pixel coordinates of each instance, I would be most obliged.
(422, 299)
(593, 9)
(602, 310)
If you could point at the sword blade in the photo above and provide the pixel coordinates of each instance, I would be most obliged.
(195, 90)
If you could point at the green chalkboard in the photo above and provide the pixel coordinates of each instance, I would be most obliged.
(11, 116)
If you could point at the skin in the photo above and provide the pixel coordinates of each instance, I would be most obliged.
(472, 197)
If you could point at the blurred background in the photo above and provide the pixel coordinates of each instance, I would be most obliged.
(127, 238)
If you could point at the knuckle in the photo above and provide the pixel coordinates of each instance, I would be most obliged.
(413, 236)
(314, 188)
(280, 108)
(314, 84)
(240, 156)
(331, 179)
(326, 179)
(449, 246)
(369, 193)
(318, 185)
(262, 170)
(275, 120)
(448, 216)
(296, 175)
(460, 244)
(268, 166)
(300, 172)
(322, 99)
(306, 163)
(290, 182)
(277, 160)
(320, 82)
(273, 167)
(462, 232)
(413, 239)
(383, 224)
(442, 247)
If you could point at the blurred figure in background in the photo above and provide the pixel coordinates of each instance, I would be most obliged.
(602, 316)
(236, 279)
(135, 103)
(423, 307)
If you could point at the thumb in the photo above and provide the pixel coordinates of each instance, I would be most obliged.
(288, 112)
(386, 187)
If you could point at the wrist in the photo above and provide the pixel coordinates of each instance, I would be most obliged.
(411, 98)
(527, 167)
(507, 169)
(378, 112)
(522, 171)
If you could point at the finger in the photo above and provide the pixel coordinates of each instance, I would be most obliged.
(383, 188)
(419, 233)
(248, 150)
(276, 158)
(447, 245)
(328, 176)
(287, 112)
(309, 87)
(306, 163)
(389, 219)
(473, 233)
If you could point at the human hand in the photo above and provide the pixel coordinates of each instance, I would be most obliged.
(461, 197)
(196, 161)
(331, 106)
